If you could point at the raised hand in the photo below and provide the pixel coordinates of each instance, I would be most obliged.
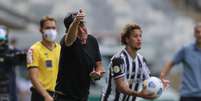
(80, 15)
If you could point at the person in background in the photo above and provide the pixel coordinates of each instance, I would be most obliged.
(9, 58)
(43, 60)
(190, 56)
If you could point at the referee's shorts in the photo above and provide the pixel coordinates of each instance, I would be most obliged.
(35, 96)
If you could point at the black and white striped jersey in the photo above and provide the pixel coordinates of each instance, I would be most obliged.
(134, 72)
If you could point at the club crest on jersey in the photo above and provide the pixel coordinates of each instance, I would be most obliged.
(116, 69)
(30, 56)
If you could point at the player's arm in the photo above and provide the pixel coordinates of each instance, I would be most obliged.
(71, 35)
(33, 73)
(123, 87)
(118, 73)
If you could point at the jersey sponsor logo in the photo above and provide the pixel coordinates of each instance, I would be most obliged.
(30, 56)
(48, 63)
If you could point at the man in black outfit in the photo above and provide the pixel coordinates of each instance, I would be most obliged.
(80, 60)
(9, 58)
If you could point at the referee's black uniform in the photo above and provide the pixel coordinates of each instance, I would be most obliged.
(135, 71)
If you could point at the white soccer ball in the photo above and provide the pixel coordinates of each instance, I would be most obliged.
(154, 85)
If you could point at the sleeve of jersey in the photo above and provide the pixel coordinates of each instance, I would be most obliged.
(117, 69)
(147, 72)
(32, 58)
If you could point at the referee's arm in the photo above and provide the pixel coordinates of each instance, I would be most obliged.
(33, 73)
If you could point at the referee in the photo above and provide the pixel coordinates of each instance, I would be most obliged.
(128, 69)
(43, 60)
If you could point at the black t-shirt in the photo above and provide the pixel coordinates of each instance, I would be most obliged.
(9, 58)
(76, 63)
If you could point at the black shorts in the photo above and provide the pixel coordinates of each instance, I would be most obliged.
(59, 97)
(190, 98)
(35, 96)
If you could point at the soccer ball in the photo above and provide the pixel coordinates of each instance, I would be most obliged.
(154, 85)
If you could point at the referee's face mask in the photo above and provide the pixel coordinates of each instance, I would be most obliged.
(49, 31)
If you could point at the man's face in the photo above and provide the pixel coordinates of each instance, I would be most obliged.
(197, 34)
(82, 32)
(48, 30)
(135, 39)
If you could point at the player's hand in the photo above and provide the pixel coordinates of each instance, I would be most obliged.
(146, 95)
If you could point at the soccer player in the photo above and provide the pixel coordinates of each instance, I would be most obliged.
(128, 69)
(43, 60)
(190, 56)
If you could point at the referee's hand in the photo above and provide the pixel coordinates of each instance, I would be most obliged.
(48, 98)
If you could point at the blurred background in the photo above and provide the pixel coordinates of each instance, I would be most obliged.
(167, 25)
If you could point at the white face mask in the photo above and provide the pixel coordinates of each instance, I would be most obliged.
(50, 34)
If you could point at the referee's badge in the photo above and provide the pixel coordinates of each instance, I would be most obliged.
(48, 63)
(30, 56)
(116, 69)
